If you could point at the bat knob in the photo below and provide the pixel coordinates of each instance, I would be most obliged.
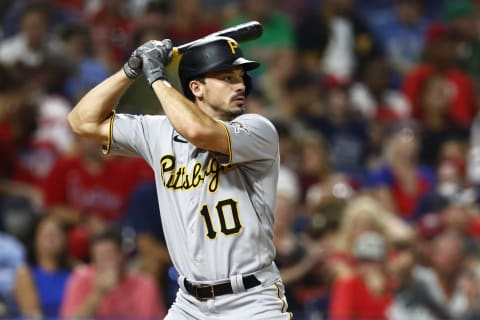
(134, 62)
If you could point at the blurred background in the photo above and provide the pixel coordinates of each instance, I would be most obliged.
(376, 105)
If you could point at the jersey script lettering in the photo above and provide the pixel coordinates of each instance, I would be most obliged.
(179, 179)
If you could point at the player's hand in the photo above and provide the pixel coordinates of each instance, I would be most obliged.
(155, 55)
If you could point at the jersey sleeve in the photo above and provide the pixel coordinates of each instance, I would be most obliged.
(251, 137)
(133, 135)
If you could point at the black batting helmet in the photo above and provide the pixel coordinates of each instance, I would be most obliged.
(210, 55)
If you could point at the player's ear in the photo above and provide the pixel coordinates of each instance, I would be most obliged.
(197, 88)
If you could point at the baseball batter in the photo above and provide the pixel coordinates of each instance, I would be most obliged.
(216, 172)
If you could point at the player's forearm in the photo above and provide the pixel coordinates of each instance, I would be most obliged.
(90, 116)
(190, 121)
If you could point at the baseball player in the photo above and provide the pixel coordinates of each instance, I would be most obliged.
(216, 172)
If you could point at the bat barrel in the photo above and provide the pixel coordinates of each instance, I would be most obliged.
(243, 32)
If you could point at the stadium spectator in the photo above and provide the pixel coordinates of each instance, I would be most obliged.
(411, 299)
(372, 97)
(443, 278)
(457, 217)
(450, 188)
(440, 59)
(321, 231)
(31, 44)
(333, 41)
(75, 44)
(277, 37)
(142, 219)
(86, 191)
(316, 175)
(462, 17)
(106, 289)
(40, 284)
(12, 255)
(295, 258)
(345, 131)
(366, 292)
(59, 12)
(111, 29)
(365, 213)
(401, 37)
(437, 127)
(302, 102)
(401, 181)
(427, 228)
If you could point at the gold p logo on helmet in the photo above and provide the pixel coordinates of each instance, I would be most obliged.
(233, 46)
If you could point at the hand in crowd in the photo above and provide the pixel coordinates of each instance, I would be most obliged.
(106, 280)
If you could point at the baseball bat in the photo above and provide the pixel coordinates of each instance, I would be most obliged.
(242, 32)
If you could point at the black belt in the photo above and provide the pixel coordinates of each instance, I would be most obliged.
(205, 291)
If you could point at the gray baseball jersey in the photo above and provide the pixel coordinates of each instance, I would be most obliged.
(217, 210)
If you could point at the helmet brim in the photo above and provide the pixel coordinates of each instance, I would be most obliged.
(245, 63)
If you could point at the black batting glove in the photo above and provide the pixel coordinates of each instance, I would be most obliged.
(155, 56)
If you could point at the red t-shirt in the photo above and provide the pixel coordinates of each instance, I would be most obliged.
(104, 193)
(135, 297)
(462, 107)
(351, 300)
(28, 164)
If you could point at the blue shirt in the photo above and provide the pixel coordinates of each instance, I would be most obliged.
(50, 288)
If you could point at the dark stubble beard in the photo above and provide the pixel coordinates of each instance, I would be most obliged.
(234, 114)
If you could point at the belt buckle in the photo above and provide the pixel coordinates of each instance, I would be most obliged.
(201, 286)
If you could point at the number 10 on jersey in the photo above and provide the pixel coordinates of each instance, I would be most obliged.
(223, 208)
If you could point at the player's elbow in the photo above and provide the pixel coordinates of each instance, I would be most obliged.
(74, 123)
(82, 127)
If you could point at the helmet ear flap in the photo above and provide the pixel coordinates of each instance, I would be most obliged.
(247, 80)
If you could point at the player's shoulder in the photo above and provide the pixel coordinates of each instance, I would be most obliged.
(254, 119)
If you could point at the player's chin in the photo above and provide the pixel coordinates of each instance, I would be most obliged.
(237, 109)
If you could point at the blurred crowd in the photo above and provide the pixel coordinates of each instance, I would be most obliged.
(375, 103)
